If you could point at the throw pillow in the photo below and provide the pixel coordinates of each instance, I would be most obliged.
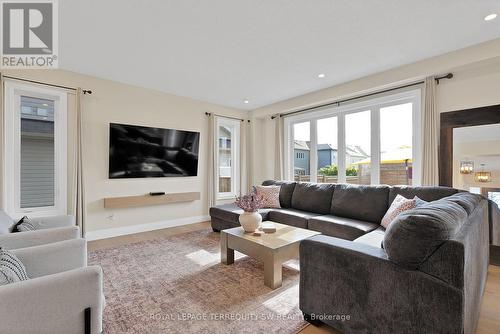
(25, 224)
(399, 205)
(11, 268)
(270, 195)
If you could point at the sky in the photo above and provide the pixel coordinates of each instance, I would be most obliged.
(395, 129)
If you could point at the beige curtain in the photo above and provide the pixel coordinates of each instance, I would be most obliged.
(430, 131)
(79, 180)
(212, 162)
(245, 157)
(1, 138)
(279, 164)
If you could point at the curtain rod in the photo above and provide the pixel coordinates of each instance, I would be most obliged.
(337, 103)
(85, 91)
(238, 119)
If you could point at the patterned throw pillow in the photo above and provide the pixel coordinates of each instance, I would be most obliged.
(11, 268)
(25, 224)
(270, 194)
(399, 205)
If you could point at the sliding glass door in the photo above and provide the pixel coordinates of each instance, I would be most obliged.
(371, 142)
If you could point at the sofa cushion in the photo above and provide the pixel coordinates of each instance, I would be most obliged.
(367, 203)
(6, 223)
(373, 238)
(426, 193)
(466, 200)
(416, 234)
(290, 217)
(286, 191)
(340, 227)
(313, 197)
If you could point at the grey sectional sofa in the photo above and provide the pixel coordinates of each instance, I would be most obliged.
(425, 274)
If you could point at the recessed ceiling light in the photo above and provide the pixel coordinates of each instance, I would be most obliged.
(490, 17)
(246, 101)
(321, 75)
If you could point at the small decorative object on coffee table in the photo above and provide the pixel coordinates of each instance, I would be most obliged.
(268, 227)
(250, 219)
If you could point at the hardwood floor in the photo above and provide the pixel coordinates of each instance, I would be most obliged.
(489, 322)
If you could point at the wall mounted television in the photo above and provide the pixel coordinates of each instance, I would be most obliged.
(140, 151)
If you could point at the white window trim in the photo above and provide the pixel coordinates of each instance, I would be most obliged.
(374, 104)
(12, 149)
(234, 125)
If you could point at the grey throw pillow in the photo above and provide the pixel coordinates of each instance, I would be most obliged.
(11, 268)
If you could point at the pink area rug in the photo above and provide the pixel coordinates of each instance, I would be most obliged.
(178, 285)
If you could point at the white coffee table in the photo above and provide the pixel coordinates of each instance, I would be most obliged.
(271, 248)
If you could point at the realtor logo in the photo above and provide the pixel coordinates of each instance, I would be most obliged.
(29, 34)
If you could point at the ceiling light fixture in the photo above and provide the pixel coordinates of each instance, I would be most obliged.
(482, 176)
(466, 167)
(321, 75)
(246, 101)
(490, 17)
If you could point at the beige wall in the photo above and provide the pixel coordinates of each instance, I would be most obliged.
(116, 102)
(476, 82)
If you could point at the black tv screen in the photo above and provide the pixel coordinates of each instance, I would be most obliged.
(140, 151)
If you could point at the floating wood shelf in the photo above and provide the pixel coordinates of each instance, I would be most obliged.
(145, 200)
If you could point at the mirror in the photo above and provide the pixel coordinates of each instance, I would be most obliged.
(476, 160)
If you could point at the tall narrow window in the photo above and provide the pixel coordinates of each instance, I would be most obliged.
(301, 149)
(396, 145)
(327, 149)
(228, 156)
(358, 147)
(35, 146)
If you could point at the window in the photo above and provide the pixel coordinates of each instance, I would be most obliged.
(358, 147)
(327, 150)
(228, 150)
(301, 143)
(370, 142)
(35, 150)
(396, 141)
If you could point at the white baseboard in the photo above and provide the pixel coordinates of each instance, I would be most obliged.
(118, 231)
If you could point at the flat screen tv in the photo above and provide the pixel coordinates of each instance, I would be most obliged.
(140, 151)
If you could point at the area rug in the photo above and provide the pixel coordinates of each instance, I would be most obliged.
(178, 285)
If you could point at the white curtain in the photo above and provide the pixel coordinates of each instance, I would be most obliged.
(1, 138)
(244, 132)
(430, 131)
(212, 162)
(279, 164)
(244, 160)
(79, 180)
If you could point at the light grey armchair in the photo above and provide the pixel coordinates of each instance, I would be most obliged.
(52, 229)
(63, 294)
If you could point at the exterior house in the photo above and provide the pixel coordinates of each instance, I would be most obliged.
(301, 157)
(37, 152)
(327, 155)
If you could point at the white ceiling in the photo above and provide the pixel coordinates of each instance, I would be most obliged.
(225, 51)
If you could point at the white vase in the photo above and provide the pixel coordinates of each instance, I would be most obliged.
(250, 221)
